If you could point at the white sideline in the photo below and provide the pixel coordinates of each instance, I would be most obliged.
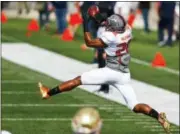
(64, 68)
(134, 60)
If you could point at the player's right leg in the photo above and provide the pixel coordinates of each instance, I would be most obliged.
(63, 87)
(93, 77)
(160, 117)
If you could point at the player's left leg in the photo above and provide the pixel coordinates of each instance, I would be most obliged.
(129, 95)
(93, 77)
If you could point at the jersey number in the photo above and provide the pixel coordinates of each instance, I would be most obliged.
(123, 48)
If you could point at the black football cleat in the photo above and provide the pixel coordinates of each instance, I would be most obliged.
(104, 88)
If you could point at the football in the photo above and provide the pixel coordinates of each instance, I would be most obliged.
(93, 10)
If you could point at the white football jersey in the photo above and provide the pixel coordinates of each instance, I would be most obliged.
(115, 41)
(118, 56)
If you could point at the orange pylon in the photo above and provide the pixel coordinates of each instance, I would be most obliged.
(67, 35)
(33, 26)
(3, 18)
(158, 60)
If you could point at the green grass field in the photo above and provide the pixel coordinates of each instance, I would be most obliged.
(24, 112)
(21, 101)
(142, 47)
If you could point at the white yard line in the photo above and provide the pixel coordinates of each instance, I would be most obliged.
(63, 119)
(64, 68)
(147, 123)
(104, 107)
(18, 92)
(57, 105)
(161, 130)
(36, 119)
(10, 38)
(18, 82)
(153, 126)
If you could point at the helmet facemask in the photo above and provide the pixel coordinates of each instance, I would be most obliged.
(115, 23)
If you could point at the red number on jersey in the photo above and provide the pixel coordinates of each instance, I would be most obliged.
(123, 48)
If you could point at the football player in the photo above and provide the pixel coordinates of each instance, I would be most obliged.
(114, 38)
(86, 121)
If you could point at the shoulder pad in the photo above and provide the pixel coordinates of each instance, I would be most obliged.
(108, 37)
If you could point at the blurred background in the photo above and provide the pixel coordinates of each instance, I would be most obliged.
(57, 27)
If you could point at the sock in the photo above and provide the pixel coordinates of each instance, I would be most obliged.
(54, 91)
(153, 113)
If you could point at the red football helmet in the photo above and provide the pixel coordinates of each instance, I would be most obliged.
(93, 10)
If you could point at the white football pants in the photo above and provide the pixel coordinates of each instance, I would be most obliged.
(112, 77)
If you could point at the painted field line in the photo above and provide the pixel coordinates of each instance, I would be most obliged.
(11, 38)
(56, 105)
(36, 119)
(114, 109)
(159, 128)
(162, 130)
(99, 106)
(152, 126)
(62, 119)
(8, 72)
(147, 123)
(25, 92)
(18, 82)
(134, 60)
(103, 107)
(18, 92)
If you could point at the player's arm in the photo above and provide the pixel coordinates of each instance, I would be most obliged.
(90, 42)
(93, 13)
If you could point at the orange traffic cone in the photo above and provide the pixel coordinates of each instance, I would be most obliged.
(131, 19)
(33, 26)
(159, 60)
(3, 18)
(67, 35)
(75, 19)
